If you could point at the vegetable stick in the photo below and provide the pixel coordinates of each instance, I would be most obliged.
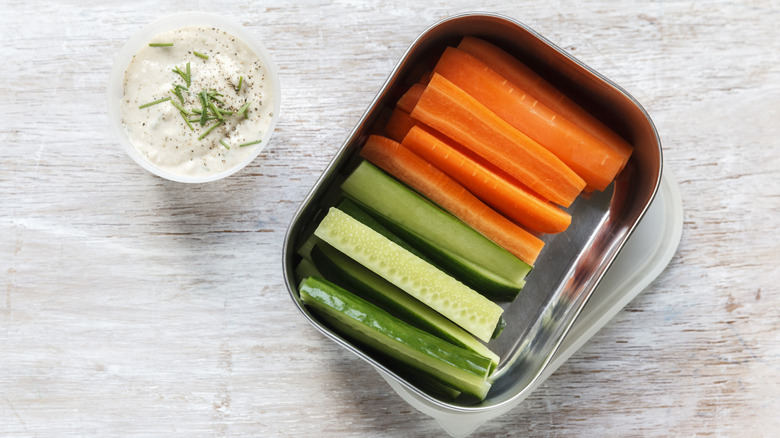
(426, 77)
(453, 112)
(594, 161)
(410, 98)
(434, 184)
(489, 184)
(519, 74)
(399, 124)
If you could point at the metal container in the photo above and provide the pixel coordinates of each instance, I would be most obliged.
(573, 262)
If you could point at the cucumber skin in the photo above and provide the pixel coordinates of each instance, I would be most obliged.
(371, 187)
(456, 367)
(336, 267)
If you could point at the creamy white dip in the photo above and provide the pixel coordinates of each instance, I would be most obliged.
(160, 133)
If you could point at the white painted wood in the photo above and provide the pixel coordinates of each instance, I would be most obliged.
(133, 306)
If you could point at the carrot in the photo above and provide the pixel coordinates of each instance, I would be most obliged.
(489, 185)
(399, 124)
(435, 185)
(451, 111)
(521, 75)
(595, 162)
(426, 77)
(410, 98)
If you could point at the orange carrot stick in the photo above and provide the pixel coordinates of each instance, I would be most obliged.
(435, 185)
(451, 111)
(521, 75)
(410, 98)
(426, 77)
(594, 161)
(399, 123)
(491, 186)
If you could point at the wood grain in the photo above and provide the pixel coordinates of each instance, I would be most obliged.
(133, 306)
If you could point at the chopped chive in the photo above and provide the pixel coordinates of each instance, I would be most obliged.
(205, 107)
(160, 44)
(188, 122)
(243, 109)
(164, 99)
(177, 92)
(189, 125)
(222, 142)
(200, 55)
(183, 113)
(215, 110)
(211, 128)
(250, 143)
(225, 112)
(240, 81)
(185, 75)
(178, 106)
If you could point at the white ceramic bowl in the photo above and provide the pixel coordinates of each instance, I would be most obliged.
(140, 40)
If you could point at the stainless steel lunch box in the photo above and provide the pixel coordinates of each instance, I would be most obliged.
(573, 262)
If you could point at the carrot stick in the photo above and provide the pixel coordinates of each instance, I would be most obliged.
(595, 162)
(451, 111)
(399, 123)
(426, 77)
(519, 74)
(435, 185)
(491, 186)
(410, 98)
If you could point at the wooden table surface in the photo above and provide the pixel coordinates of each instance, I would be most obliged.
(134, 306)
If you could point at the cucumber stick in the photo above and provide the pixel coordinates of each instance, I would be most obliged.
(446, 295)
(364, 322)
(387, 197)
(336, 267)
(476, 277)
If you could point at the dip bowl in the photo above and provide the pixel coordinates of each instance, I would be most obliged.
(140, 40)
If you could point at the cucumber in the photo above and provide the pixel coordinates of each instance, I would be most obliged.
(306, 268)
(366, 323)
(446, 295)
(447, 239)
(342, 270)
(476, 277)
(461, 271)
(361, 214)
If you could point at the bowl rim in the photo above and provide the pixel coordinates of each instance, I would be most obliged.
(115, 92)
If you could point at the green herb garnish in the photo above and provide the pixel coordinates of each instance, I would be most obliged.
(204, 102)
(160, 44)
(164, 99)
(177, 92)
(210, 104)
(183, 113)
(242, 111)
(250, 143)
(211, 128)
(185, 74)
(200, 55)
